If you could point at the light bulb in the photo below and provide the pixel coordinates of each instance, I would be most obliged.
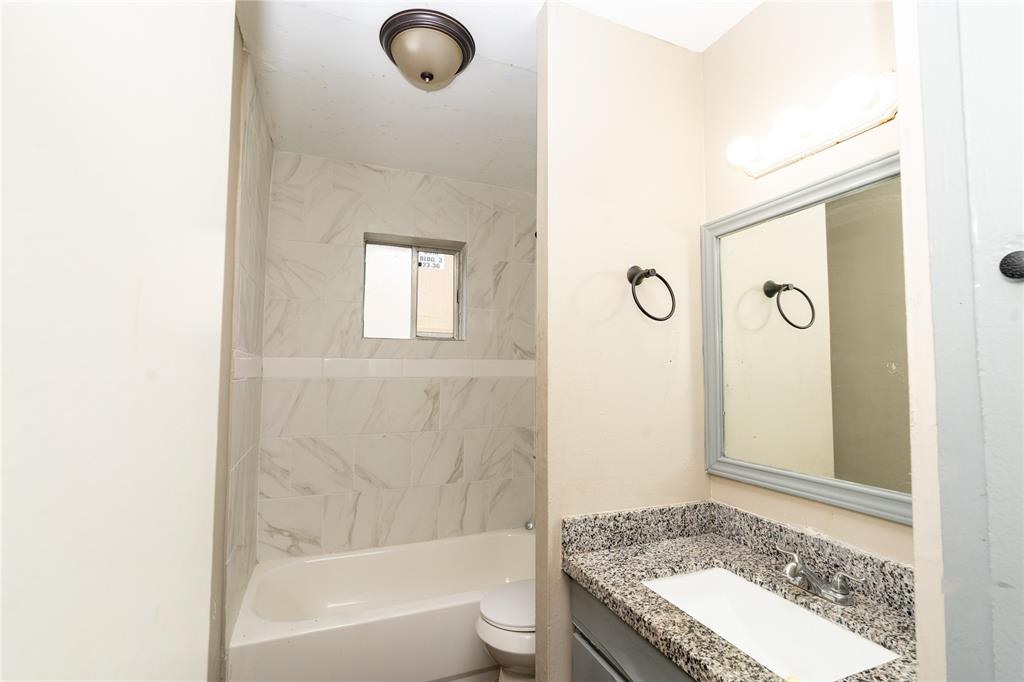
(741, 151)
(853, 94)
(774, 148)
(791, 124)
(885, 87)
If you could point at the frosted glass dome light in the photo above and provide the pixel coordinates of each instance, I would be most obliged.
(429, 48)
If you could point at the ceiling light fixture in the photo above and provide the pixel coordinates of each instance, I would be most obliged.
(858, 104)
(429, 48)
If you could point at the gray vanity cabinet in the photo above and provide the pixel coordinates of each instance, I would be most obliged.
(604, 649)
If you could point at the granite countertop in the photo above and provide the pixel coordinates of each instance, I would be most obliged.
(615, 576)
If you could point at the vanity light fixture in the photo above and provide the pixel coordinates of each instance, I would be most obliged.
(428, 47)
(858, 104)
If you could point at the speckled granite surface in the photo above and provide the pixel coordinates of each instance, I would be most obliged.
(611, 555)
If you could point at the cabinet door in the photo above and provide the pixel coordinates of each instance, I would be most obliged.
(588, 665)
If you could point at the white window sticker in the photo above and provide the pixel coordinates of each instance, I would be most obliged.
(434, 261)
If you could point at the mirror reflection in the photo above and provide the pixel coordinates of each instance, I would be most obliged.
(814, 341)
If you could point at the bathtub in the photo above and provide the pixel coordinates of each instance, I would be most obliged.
(405, 612)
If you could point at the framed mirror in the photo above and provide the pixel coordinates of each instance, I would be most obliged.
(805, 356)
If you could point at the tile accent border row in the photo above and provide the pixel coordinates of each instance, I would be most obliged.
(315, 368)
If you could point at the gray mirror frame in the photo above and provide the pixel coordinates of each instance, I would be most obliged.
(886, 504)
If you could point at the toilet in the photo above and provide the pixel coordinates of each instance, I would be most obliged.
(506, 627)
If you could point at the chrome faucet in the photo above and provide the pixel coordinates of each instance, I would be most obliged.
(837, 591)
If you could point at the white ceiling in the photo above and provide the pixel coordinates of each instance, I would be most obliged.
(328, 88)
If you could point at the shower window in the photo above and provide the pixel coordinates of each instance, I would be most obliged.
(412, 289)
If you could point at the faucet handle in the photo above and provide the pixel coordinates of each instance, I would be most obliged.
(793, 556)
(841, 582)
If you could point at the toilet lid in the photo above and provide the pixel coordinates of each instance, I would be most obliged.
(510, 607)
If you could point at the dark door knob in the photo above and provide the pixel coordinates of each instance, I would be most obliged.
(1012, 265)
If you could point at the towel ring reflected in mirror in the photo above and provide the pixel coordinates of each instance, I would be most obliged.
(771, 289)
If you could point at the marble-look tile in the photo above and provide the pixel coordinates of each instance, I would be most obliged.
(437, 368)
(334, 215)
(443, 190)
(512, 402)
(382, 461)
(340, 328)
(337, 368)
(517, 289)
(465, 402)
(245, 365)
(471, 194)
(519, 333)
(275, 468)
(408, 515)
(483, 334)
(244, 418)
(485, 283)
(293, 368)
(305, 466)
(286, 212)
(523, 452)
(510, 502)
(382, 405)
(290, 526)
(462, 509)
(247, 318)
(442, 221)
(513, 200)
(250, 238)
(437, 458)
(524, 240)
(364, 179)
(344, 281)
(489, 453)
(292, 169)
(490, 234)
(293, 407)
(241, 508)
(503, 368)
(392, 428)
(293, 328)
(298, 270)
(351, 520)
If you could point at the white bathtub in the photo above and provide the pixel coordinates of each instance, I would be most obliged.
(390, 614)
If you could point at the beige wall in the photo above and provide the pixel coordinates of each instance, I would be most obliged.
(777, 379)
(871, 426)
(113, 282)
(622, 424)
(748, 80)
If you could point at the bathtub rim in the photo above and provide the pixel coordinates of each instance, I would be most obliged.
(251, 628)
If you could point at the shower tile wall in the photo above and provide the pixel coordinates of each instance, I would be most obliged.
(255, 165)
(369, 442)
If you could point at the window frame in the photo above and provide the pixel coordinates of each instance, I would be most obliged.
(416, 245)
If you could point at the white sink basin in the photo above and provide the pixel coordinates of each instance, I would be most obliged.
(792, 642)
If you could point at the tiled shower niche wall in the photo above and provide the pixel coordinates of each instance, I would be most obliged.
(370, 442)
(256, 158)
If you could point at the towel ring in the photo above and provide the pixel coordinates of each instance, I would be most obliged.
(773, 289)
(636, 275)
